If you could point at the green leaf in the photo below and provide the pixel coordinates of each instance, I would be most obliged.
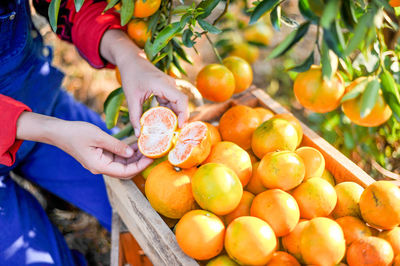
(385, 4)
(208, 27)
(126, 131)
(263, 7)
(54, 8)
(305, 65)
(158, 58)
(153, 21)
(290, 40)
(369, 97)
(330, 13)
(112, 106)
(348, 140)
(276, 18)
(329, 62)
(306, 11)
(127, 9)
(360, 31)
(331, 39)
(208, 6)
(288, 21)
(178, 49)
(78, 4)
(185, 19)
(110, 4)
(355, 92)
(348, 14)
(187, 38)
(162, 39)
(176, 63)
(390, 92)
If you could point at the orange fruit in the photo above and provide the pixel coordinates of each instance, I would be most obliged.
(278, 208)
(255, 185)
(217, 188)
(313, 161)
(348, 194)
(316, 198)
(353, 228)
(216, 82)
(291, 242)
(394, 3)
(250, 241)
(317, 94)
(248, 52)
(234, 157)
(139, 182)
(379, 114)
(272, 135)
(158, 125)
(222, 260)
(215, 137)
(322, 242)
(145, 173)
(328, 177)
(243, 209)
(238, 124)
(263, 113)
(138, 31)
(370, 250)
(192, 147)
(393, 237)
(281, 258)
(379, 205)
(146, 8)
(200, 234)
(258, 33)
(396, 261)
(118, 75)
(170, 191)
(281, 169)
(241, 70)
(295, 122)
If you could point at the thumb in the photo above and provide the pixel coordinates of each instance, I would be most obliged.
(115, 146)
(135, 114)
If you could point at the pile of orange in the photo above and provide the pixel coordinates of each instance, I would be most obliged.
(282, 208)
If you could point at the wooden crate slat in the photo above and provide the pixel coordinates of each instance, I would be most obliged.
(153, 235)
(342, 168)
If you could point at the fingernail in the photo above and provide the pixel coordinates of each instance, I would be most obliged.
(129, 152)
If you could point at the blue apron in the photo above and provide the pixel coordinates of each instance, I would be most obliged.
(26, 74)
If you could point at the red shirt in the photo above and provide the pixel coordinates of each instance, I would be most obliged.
(84, 29)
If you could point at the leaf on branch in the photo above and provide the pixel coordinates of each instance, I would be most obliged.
(187, 38)
(112, 106)
(127, 9)
(305, 65)
(162, 39)
(391, 92)
(306, 11)
(208, 6)
(290, 40)
(276, 18)
(54, 8)
(369, 97)
(360, 31)
(111, 4)
(329, 62)
(330, 13)
(355, 92)
(208, 27)
(263, 7)
(78, 4)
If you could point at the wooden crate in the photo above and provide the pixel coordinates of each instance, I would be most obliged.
(153, 235)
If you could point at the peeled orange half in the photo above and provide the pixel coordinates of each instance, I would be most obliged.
(158, 127)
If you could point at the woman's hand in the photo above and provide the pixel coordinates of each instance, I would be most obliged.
(97, 151)
(140, 78)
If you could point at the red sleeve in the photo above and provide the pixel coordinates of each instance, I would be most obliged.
(10, 110)
(84, 28)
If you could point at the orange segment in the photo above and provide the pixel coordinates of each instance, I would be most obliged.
(192, 146)
(158, 125)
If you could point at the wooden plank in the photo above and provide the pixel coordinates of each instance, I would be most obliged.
(116, 254)
(342, 168)
(153, 235)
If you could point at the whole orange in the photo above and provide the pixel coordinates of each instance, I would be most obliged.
(291, 242)
(393, 237)
(138, 31)
(248, 52)
(238, 124)
(145, 173)
(281, 169)
(313, 161)
(258, 33)
(281, 258)
(200, 234)
(222, 260)
(379, 205)
(353, 228)
(272, 135)
(146, 8)
(241, 70)
(316, 93)
(255, 185)
(263, 113)
(170, 191)
(215, 137)
(295, 122)
(243, 209)
(379, 114)
(322, 242)
(316, 198)
(370, 250)
(348, 194)
(215, 82)
(250, 241)
(231, 155)
(396, 261)
(217, 188)
(278, 208)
